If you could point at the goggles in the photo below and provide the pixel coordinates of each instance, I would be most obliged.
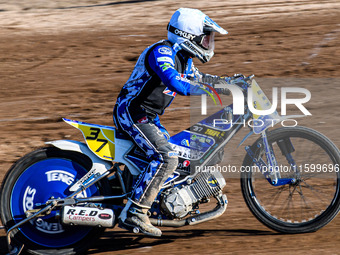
(205, 40)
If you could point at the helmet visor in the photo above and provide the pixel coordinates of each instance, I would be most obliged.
(208, 41)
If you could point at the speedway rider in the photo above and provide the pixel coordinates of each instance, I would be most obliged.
(162, 70)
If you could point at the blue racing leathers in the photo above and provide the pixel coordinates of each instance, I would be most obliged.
(162, 71)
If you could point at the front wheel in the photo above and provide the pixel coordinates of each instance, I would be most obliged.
(310, 201)
(35, 178)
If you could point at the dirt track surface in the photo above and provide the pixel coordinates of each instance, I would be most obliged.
(70, 59)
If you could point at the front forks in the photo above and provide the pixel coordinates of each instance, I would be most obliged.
(273, 168)
(271, 171)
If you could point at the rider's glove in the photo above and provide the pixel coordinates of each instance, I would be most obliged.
(210, 79)
(214, 80)
(222, 83)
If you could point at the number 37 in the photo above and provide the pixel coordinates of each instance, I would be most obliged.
(94, 136)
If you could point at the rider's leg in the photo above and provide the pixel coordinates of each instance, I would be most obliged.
(150, 181)
(164, 161)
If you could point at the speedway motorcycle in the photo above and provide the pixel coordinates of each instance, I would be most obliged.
(58, 199)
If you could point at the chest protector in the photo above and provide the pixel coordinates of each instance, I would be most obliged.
(157, 96)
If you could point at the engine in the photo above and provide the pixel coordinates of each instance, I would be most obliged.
(178, 202)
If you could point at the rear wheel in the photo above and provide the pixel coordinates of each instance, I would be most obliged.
(35, 178)
(312, 200)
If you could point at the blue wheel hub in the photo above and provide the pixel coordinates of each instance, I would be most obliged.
(48, 178)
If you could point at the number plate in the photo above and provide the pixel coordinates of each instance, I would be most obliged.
(100, 139)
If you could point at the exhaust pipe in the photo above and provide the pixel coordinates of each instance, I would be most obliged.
(210, 215)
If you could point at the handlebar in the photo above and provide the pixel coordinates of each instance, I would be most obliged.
(249, 78)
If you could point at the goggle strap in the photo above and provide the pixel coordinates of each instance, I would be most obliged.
(186, 35)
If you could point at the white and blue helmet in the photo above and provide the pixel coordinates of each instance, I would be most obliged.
(194, 32)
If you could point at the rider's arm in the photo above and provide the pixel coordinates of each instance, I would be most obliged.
(162, 61)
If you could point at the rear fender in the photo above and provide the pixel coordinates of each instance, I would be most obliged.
(99, 164)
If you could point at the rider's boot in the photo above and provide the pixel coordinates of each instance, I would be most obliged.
(134, 218)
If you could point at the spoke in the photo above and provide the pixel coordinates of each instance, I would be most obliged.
(305, 202)
(276, 196)
(307, 176)
(285, 206)
(316, 191)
